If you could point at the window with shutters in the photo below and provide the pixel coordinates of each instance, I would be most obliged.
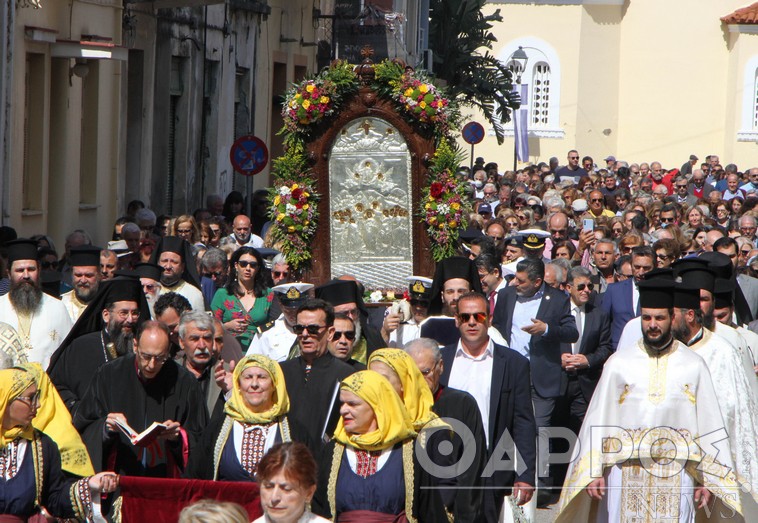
(541, 77)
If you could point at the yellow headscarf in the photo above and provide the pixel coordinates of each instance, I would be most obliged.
(394, 425)
(13, 382)
(237, 409)
(417, 396)
(54, 420)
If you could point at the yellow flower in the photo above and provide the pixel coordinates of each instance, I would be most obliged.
(293, 104)
(280, 216)
(277, 200)
(432, 220)
(294, 186)
(324, 99)
(298, 96)
(290, 229)
(428, 206)
(408, 92)
(441, 225)
(422, 104)
(453, 223)
(305, 194)
(455, 206)
(306, 223)
(305, 207)
(310, 88)
(306, 104)
(423, 88)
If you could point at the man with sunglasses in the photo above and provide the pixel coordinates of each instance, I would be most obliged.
(682, 192)
(499, 380)
(313, 376)
(572, 171)
(584, 364)
(597, 208)
(277, 339)
(141, 388)
(214, 269)
(341, 342)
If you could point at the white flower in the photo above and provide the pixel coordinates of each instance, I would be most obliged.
(284, 190)
(290, 209)
(375, 297)
(443, 208)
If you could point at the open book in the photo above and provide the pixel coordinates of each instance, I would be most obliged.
(143, 438)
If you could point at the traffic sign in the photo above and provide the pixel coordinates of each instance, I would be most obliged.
(473, 132)
(249, 155)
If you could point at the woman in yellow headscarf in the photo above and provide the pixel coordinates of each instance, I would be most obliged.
(254, 420)
(405, 377)
(30, 461)
(371, 472)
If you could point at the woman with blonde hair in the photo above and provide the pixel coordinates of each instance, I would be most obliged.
(186, 227)
(212, 511)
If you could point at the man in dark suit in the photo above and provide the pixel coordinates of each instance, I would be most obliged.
(584, 364)
(536, 321)
(450, 403)
(498, 379)
(621, 300)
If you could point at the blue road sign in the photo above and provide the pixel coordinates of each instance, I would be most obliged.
(249, 155)
(473, 133)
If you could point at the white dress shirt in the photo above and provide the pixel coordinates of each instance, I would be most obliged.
(524, 310)
(578, 311)
(474, 375)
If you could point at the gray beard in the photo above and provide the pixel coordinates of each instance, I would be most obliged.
(85, 295)
(358, 330)
(25, 297)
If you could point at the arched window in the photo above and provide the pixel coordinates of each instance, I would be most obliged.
(542, 77)
(749, 127)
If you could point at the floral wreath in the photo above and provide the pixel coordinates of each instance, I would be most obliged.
(310, 107)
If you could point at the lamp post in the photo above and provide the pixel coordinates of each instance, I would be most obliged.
(519, 59)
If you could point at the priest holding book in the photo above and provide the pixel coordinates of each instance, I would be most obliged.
(138, 390)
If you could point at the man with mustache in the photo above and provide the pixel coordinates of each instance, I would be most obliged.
(85, 277)
(40, 320)
(104, 332)
(196, 333)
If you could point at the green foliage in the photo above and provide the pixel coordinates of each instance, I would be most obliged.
(458, 31)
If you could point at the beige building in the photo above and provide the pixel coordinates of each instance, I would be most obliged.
(642, 80)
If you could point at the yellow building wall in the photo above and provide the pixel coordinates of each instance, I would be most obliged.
(647, 80)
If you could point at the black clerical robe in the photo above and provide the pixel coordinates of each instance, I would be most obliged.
(311, 394)
(461, 406)
(173, 394)
(73, 371)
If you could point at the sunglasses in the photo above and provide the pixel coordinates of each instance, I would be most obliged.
(479, 317)
(312, 329)
(49, 265)
(350, 335)
(32, 400)
(664, 256)
(596, 200)
(666, 220)
(280, 274)
(744, 253)
(245, 264)
(588, 286)
(217, 274)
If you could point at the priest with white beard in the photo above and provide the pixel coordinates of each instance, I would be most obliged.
(41, 321)
(654, 400)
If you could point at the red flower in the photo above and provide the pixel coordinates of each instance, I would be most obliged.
(228, 305)
(219, 314)
(436, 190)
(297, 193)
(238, 315)
(270, 297)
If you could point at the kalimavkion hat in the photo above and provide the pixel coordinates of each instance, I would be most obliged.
(723, 293)
(686, 296)
(22, 249)
(656, 294)
(85, 256)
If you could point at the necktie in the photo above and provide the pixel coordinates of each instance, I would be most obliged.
(366, 462)
(492, 303)
(253, 443)
(579, 327)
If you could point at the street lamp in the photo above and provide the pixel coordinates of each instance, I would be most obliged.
(519, 59)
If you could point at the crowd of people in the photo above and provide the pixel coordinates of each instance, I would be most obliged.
(620, 298)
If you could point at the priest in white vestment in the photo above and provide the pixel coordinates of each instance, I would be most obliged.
(652, 446)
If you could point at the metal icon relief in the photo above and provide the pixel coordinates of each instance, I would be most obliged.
(370, 202)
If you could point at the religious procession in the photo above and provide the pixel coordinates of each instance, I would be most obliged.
(391, 329)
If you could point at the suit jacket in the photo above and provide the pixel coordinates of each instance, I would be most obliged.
(595, 345)
(511, 410)
(690, 200)
(548, 377)
(617, 303)
(748, 287)
(707, 189)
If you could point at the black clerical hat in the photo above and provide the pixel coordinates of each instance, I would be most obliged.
(657, 293)
(85, 256)
(120, 288)
(173, 244)
(149, 270)
(723, 293)
(686, 296)
(701, 278)
(181, 247)
(719, 263)
(471, 233)
(663, 273)
(22, 249)
(339, 292)
(50, 281)
(448, 269)
(685, 264)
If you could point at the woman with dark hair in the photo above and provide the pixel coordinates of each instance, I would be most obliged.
(233, 205)
(563, 249)
(243, 304)
(287, 476)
